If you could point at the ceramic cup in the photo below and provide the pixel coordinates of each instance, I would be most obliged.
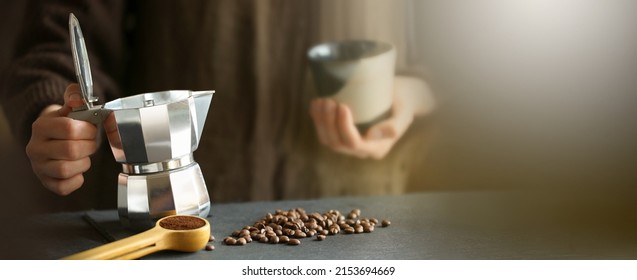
(359, 74)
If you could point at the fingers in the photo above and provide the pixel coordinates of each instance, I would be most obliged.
(334, 125)
(73, 96)
(381, 137)
(64, 169)
(63, 186)
(383, 130)
(396, 125)
(346, 129)
(63, 128)
(329, 121)
(72, 99)
(59, 164)
(51, 111)
(336, 129)
(316, 111)
(61, 149)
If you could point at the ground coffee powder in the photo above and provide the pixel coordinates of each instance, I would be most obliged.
(182, 223)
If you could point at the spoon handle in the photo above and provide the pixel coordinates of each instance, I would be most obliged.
(128, 248)
(137, 254)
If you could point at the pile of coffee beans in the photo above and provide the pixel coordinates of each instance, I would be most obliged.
(288, 227)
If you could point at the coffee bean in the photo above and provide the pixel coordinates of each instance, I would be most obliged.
(329, 223)
(386, 223)
(368, 229)
(278, 232)
(263, 239)
(247, 238)
(321, 224)
(352, 216)
(244, 232)
(324, 232)
(299, 234)
(311, 223)
(230, 241)
(241, 241)
(236, 233)
(210, 247)
(294, 242)
(274, 240)
(334, 230)
(284, 239)
(357, 211)
(311, 233)
(358, 229)
(320, 237)
(349, 230)
(374, 220)
(299, 224)
(211, 238)
(318, 217)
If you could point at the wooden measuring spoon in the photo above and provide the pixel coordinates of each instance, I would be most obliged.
(178, 233)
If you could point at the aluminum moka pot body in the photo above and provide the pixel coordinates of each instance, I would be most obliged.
(153, 136)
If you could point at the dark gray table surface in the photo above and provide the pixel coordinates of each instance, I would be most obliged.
(469, 225)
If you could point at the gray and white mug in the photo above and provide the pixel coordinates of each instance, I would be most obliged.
(357, 73)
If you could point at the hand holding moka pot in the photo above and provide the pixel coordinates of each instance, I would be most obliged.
(153, 136)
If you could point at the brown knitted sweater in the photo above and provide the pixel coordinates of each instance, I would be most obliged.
(258, 143)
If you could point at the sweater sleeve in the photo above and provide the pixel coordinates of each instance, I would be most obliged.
(42, 63)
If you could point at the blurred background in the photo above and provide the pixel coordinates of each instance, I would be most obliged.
(536, 95)
(18, 181)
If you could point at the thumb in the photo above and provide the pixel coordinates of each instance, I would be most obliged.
(72, 99)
